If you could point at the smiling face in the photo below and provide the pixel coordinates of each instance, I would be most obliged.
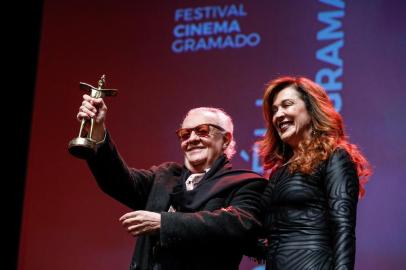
(201, 152)
(290, 117)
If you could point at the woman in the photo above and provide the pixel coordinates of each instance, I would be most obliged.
(316, 178)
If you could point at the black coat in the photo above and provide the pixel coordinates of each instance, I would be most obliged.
(213, 223)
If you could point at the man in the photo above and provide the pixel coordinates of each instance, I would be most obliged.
(198, 216)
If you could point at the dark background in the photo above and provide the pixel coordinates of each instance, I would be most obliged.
(21, 36)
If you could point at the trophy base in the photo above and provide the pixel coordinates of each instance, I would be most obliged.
(82, 148)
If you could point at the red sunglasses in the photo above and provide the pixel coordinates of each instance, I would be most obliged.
(202, 130)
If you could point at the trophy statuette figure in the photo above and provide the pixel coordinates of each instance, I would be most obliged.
(84, 145)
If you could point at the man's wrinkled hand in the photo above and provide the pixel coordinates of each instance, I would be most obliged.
(141, 222)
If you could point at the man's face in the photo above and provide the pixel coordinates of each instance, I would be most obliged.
(202, 151)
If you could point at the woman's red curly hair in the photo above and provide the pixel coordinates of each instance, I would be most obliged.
(327, 132)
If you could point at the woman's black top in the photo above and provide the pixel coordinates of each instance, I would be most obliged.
(310, 221)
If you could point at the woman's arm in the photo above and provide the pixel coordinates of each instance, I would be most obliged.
(341, 184)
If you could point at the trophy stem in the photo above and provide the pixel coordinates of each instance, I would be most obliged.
(91, 128)
(82, 125)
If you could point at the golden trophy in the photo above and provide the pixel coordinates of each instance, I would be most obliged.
(84, 146)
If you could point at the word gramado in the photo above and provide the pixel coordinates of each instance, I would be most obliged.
(211, 27)
(331, 40)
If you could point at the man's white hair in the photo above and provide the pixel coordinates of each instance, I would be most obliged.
(225, 121)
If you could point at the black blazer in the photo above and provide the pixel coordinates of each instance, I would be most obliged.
(213, 223)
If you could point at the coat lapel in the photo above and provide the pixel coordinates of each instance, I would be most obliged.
(159, 195)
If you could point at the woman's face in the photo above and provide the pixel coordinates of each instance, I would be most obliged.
(290, 117)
